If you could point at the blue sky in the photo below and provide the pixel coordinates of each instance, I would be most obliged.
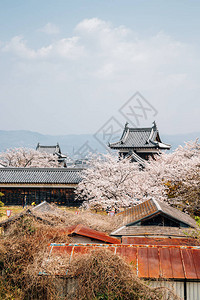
(69, 66)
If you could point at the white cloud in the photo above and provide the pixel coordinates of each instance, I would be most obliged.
(17, 46)
(64, 48)
(98, 67)
(50, 29)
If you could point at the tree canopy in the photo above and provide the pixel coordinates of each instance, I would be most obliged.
(28, 158)
(173, 177)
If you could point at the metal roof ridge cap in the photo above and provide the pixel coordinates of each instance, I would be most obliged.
(157, 204)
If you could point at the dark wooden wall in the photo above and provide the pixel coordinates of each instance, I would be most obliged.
(20, 196)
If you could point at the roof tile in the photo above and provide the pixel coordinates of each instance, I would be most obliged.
(40, 175)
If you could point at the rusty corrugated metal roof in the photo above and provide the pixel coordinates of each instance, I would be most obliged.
(160, 241)
(91, 233)
(164, 262)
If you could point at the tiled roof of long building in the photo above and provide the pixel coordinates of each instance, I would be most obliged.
(40, 175)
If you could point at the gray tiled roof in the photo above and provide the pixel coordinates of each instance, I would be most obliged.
(40, 175)
(175, 213)
(151, 207)
(139, 138)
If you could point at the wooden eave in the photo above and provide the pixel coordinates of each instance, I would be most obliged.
(38, 185)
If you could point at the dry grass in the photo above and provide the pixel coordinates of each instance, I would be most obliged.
(22, 250)
(15, 210)
(100, 274)
(66, 216)
(103, 275)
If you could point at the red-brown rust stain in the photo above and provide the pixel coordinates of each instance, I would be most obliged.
(94, 234)
(176, 263)
(129, 254)
(82, 250)
(159, 241)
(153, 263)
(196, 258)
(63, 250)
(165, 263)
(189, 267)
(143, 270)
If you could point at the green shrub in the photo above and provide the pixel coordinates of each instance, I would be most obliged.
(1, 204)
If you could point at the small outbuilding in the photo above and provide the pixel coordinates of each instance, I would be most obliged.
(154, 218)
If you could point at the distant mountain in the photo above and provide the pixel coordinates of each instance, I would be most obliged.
(72, 143)
(179, 139)
(69, 143)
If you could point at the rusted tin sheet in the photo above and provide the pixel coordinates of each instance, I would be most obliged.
(149, 261)
(91, 233)
(143, 270)
(129, 254)
(165, 263)
(60, 249)
(176, 263)
(153, 263)
(196, 257)
(159, 241)
(189, 264)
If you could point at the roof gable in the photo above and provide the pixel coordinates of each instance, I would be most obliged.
(150, 208)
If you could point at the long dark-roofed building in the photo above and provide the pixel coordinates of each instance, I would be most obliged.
(139, 143)
(22, 186)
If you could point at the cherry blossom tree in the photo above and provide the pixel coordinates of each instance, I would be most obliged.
(179, 172)
(173, 177)
(28, 158)
(108, 182)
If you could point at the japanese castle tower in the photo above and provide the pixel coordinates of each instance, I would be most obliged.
(139, 143)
